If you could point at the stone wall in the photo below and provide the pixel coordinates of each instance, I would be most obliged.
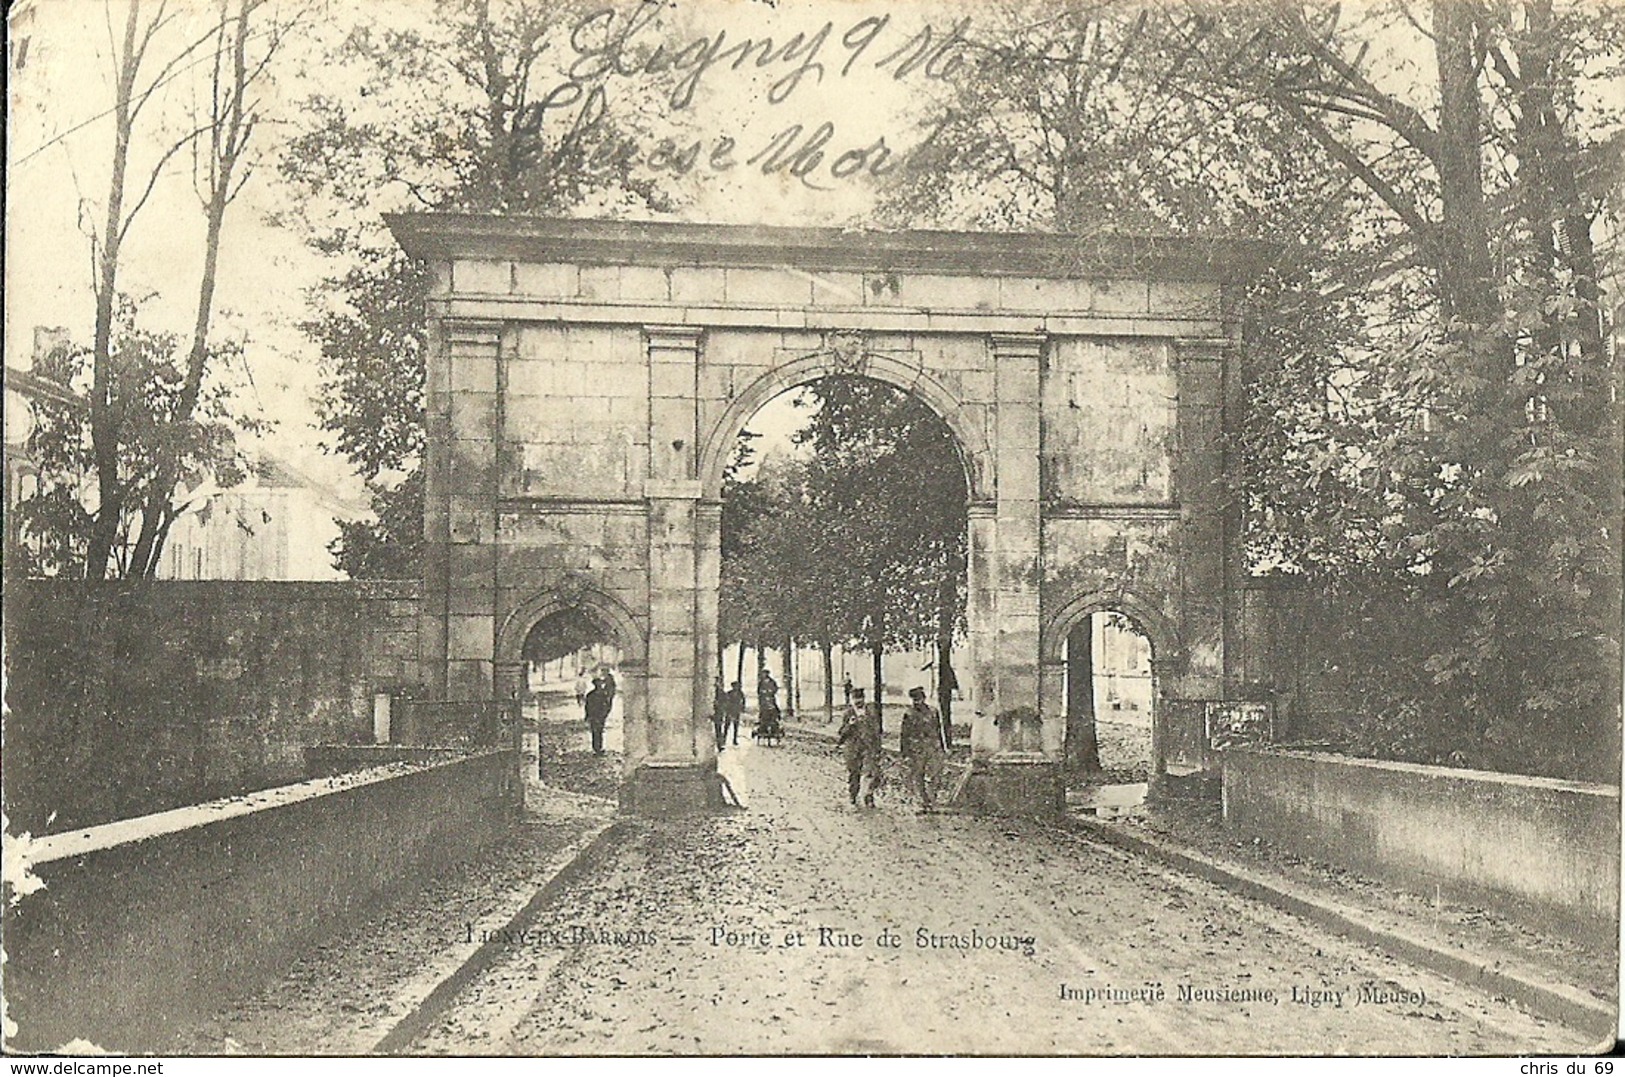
(1281, 651)
(1537, 849)
(127, 699)
(1110, 413)
(149, 923)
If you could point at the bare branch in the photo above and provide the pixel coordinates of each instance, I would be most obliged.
(152, 179)
(1410, 17)
(231, 196)
(1402, 118)
(1403, 207)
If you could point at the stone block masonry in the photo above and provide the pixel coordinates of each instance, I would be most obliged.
(1083, 382)
(130, 699)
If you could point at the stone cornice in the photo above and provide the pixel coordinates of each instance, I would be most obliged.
(666, 243)
(1079, 511)
(673, 337)
(473, 330)
(717, 316)
(550, 505)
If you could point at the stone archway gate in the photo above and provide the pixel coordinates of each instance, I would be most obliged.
(587, 379)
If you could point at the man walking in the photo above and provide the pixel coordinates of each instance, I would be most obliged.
(733, 705)
(719, 711)
(860, 737)
(923, 747)
(597, 704)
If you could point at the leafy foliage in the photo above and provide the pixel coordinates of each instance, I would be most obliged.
(55, 522)
(862, 541)
(457, 114)
(389, 547)
(373, 346)
(1431, 441)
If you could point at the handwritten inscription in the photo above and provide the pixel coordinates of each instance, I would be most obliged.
(609, 44)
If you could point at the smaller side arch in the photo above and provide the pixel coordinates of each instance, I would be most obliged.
(1158, 628)
(606, 609)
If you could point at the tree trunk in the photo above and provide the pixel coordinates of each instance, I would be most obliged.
(229, 131)
(1553, 206)
(104, 408)
(1466, 273)
(149, 546)
(1082, 753)
(739, 669)
(945, 658)
(829, 682)
(876, 654)
(789, 677)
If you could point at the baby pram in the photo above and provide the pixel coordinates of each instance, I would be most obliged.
(769, 727)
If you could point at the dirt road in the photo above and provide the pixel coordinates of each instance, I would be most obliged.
(804, 925)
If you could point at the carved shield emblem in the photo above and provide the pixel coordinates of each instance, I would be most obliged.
(848, 349)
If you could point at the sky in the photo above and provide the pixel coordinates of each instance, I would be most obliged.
(865, 88)
(59, 145)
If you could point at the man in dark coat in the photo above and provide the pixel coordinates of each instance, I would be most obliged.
(733, 705)
(860, 737)
(719, 712)
(597, 704)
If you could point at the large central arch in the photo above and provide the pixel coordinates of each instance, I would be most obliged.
(851, 357)
(586, 381)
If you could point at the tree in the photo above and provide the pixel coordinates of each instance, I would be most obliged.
(1432, 438)
(219, 173)
(1082, 744)
(227, 127)
(1488, 455)
(129, 98)
(860, 541)
(744, 506)
(55, 529)
(887, 471)
(374, 346)
(471, 111)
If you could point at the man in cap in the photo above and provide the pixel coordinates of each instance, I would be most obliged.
(923, 747)
(597, 705)
(860, 737)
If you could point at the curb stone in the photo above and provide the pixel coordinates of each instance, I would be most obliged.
(437, 998)
(1542, 997)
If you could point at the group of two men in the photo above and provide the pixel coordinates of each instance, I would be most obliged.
(725, 712)
(922, 740)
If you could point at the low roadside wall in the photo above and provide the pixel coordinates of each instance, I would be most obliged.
(148, 923)
(1542, 851)
(133, 697)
